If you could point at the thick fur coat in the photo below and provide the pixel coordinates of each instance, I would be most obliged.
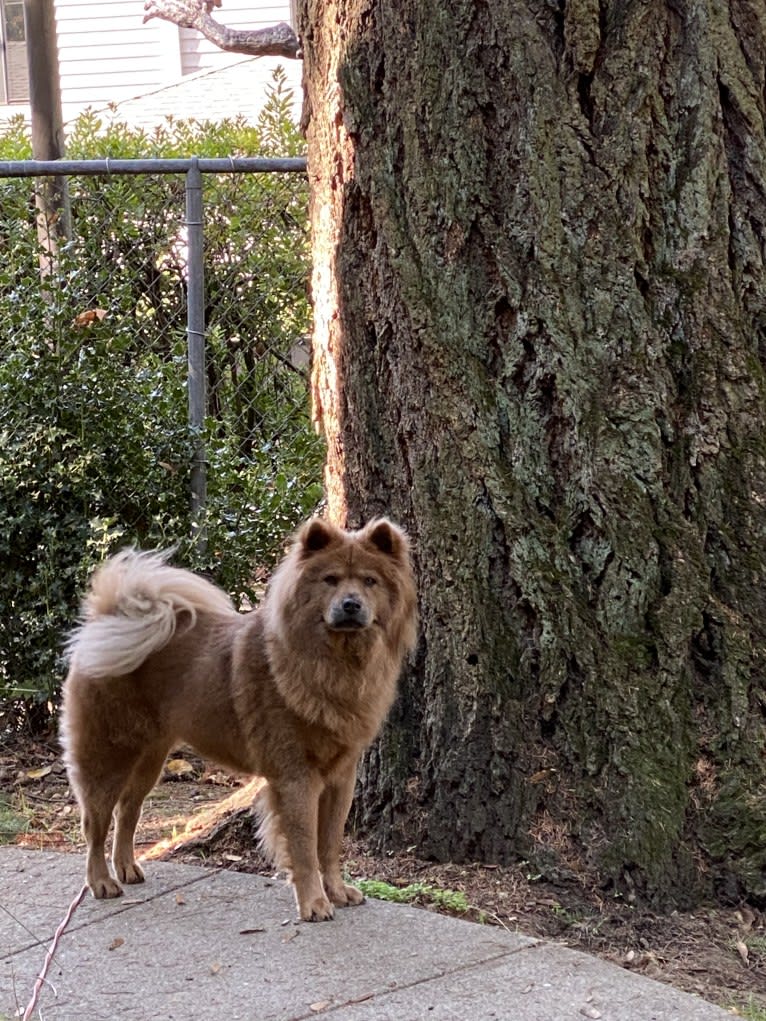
(292, 691)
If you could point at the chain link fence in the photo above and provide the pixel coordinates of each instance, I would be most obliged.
(154, 319)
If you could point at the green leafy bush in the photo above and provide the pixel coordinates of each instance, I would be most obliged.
(95, 451)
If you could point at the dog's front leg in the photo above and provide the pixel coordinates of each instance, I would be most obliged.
(297, 808)
(334, 805)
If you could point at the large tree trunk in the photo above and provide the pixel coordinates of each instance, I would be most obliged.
(540, 344)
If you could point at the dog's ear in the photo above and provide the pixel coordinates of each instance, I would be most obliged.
(388, 538)
(316, 535)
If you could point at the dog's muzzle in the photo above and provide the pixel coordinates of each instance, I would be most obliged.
(349, 613)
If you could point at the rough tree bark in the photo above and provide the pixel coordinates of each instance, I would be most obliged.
(540, 344)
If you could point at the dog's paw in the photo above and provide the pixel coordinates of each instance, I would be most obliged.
(103, 889)
(128, 873)
(317, 910)
(342, 895)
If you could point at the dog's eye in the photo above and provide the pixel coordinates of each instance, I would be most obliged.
(369, 581)
(330, 579)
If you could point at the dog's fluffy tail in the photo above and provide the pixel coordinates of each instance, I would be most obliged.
(271, 839)
(132, 609)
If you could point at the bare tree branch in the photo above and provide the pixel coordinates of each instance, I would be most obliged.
(276, 41)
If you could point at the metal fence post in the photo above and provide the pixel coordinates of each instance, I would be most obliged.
(195, 331)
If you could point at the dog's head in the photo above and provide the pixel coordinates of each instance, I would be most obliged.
(352, 576)
(348, 583)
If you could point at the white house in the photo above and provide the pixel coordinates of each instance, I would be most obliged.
(108, 57)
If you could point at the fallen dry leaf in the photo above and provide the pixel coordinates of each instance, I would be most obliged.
(589, 1011)
(180, 898)
(541, 775)
(743, 952)
(116, 943)
(179, 767)
(90, 315)
(215, 968)
(38, 774)
(320, 1005)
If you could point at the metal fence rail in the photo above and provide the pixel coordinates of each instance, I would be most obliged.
(82, 168)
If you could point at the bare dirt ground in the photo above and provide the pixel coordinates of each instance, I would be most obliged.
(199, 815)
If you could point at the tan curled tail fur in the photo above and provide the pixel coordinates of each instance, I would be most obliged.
(132, 608)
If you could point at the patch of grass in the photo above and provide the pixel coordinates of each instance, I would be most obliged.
(751, 1010)
(12, 822)
(567, 917)
(415, 893)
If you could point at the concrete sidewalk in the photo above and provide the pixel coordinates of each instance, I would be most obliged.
(194, 943)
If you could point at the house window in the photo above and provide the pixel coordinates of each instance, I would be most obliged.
(14, 80)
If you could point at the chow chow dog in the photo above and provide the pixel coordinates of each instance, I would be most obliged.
(292, 691)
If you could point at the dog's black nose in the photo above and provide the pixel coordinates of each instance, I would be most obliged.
(349, 613)
(351, 606)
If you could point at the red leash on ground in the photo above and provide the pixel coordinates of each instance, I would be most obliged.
(51, 951)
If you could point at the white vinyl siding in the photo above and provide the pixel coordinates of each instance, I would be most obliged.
(16, 71)
(14, 78)
(106, 53)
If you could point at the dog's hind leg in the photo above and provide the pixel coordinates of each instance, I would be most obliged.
(143, 777)
(96, 804)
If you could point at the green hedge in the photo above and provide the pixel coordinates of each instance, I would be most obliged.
(94, 448)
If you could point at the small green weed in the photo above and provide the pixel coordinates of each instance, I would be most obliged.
(415, 893)
(751, 1010)
(567, 917)
(756, 944)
